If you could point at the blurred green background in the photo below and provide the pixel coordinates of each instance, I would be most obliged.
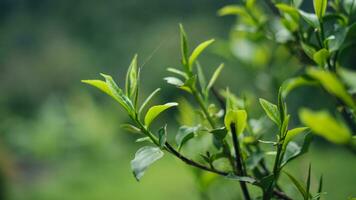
(60, 139)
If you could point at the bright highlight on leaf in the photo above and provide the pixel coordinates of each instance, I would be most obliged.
(238, 118)
(154, 111)
(323, 124)
(144, 157)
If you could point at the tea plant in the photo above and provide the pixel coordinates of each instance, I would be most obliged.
(237, 150)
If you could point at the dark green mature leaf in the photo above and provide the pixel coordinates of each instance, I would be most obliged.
(154, 111)
(132, 78)
(338, 39)
(198, 50)
(298, 184)
(320, 187)
(320, 7)
(185, 133)
(271, 110)
(219, 133)
(310, 18)
(253, 160)
(323, 124)
(144, 157)
(331, 83)
(293, 150)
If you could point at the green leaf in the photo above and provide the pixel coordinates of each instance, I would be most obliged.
(320, 8)
(131, 128)
(320, 187)
(308, 50)
(162, 136)
(215, 76)
(185, 133)
(323, 124)
(237, 117)
(118, 95)
(184, 45)
(219, 133)
(287, 9)
(145, 157)
(101, 85)
(292, 134)
(271, 110)
(331, 83)
(293, 150)
(349, 6)
(148, 100)
(201, 76)
(298, 184)
(174, 81)
(176, 71)
(132, 78)
(338, 39)
(321, 57)
(232, 10)
(293, 83)
(154, 111)
(310, 18)
(197, 51)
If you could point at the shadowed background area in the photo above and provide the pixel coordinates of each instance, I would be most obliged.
(60, 139)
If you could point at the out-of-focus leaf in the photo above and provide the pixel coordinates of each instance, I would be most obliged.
(308, 181)
(219, 133)
(335, 43)
(323, 124)
(232, 10)
(292, 83)
(271, 110)
(320, 187)
(162, 136)
(349, 6)
(238, 118)
(321, 56)
(198, 50)
(331, 83)
(349, 77)
(308, 50)
(287, 9)
(242, 178)
(154, 111)
(293, 133)
(132, 78)
(320, 7)
(185, 133)
(145, 157)
(253, 160)
(310, 18)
